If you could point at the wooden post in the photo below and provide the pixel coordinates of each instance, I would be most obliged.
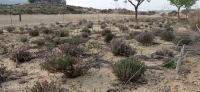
(20, 17)
(180, 58)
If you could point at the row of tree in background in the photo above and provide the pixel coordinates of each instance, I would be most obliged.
(178, 3)
(48, 1)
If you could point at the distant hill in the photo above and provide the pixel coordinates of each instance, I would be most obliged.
(17, 9)
(44, 9)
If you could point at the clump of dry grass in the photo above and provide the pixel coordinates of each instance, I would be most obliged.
(10, 28)
(194, 20)
(4, 73)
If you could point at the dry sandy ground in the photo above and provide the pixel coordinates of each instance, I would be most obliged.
(101, 79)
(5, 20)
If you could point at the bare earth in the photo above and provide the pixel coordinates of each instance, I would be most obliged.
(5, 20)
(159, 79)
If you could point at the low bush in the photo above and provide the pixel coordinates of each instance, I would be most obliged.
(109, 37)
(4, 73)
(145, 38)
(182, 40)
(136, 27)
(33, 33)
(164, 52)
(23, 38)
(167, 36)
(47, 30)
(39, 42)
(119, 48)
(10, 29)
(133, 34)
(62, 33)
(126, 68)
(90, 25)
(45, 86)
(131, 26)
(123, 28)
(70, 66)
(1, 31)
(59, 40)
(76, 40)
(157, 31)
(105, 31)
(85, 35)
(194, 24)
(70, 49)
(169, 29)
(20, 54)
(103, 25)
(169, 63)
(86, 30)
(21, 28)
(3, 49)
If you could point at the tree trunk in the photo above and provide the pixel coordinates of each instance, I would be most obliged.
(136, 13)
(179, 13)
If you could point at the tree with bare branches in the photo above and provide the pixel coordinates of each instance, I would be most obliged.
(139, 2)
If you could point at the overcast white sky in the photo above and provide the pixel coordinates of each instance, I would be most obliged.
(106, 4)
(145, 6)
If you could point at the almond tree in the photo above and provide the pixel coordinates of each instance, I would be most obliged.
(139, 2)
(182, 3)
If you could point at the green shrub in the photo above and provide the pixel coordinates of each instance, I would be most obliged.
(4, 73)
(105, 31)
(157, 31)
(164, 52)
(70, 49)
(20, 54)
(169, 63)
(39, 42)
(85, 35)
(1, 31)
(90, 25)
(62, 33)
(169, 29)
(10, 29)
(194, 23)
(86, 30)
(133, 34)
(47, 31)
(23, 38)
(59, 40)
(33, 33)
(61, 26)
(136, 27)
(70, 66)
(123, 28)
(167, 36)
(145, 37)
(76, 40)
(109, 37)
(103, 25)
(183, 40)
(126, 68)
(119, 48)
(45, 86)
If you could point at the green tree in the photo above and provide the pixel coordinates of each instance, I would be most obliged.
(34, 1)
(182, 3)
(139, 2)
(63, 2)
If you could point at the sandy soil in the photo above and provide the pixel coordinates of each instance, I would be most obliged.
(159, 79)
(5, 20)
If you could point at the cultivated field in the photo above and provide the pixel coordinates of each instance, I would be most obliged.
(98, 52)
